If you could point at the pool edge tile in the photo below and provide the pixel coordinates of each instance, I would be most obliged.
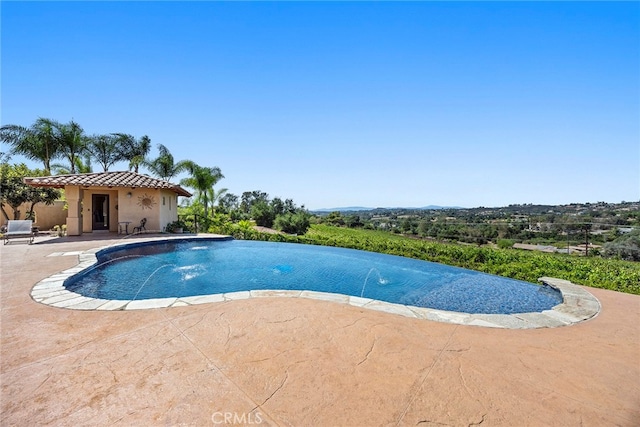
(144, 304)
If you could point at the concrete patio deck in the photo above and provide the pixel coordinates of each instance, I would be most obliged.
(299, 362)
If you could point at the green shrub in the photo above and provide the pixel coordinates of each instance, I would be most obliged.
(505, 243)
(293, 223)
(626, 247)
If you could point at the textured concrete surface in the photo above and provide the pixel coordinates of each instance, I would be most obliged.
(299, 362)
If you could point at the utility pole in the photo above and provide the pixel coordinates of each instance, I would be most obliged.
(586, 241)
(587, 227)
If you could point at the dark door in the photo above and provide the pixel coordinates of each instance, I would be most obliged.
(100, 210)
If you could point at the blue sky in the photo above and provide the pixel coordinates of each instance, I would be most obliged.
(342, 104)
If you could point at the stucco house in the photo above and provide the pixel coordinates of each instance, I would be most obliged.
(114, 201)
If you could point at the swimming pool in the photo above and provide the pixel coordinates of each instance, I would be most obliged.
(188, 268)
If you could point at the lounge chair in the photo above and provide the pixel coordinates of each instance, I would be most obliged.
(139, 228)
(19, 229)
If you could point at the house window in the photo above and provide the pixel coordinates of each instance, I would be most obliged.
(163, 202)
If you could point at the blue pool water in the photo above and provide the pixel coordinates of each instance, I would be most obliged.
(202, 267)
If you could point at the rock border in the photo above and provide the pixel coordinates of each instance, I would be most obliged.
(578, 305)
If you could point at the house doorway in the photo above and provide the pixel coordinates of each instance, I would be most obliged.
(100, 207)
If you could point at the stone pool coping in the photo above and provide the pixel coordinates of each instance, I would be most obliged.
(578, 305)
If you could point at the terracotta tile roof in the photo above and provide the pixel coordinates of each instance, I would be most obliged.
(106, 179)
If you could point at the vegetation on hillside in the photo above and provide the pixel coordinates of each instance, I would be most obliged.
(603, 226)
(236, 216)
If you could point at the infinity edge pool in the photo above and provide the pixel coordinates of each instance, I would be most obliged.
(578, 305)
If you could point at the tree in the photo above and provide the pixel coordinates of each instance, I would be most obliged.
(289, 206)
(35, 195)
(407, 225)
(262, 213)
(249, 198)
(278, 206)
(216, 197)
(423, 228)
(164, 166)
(293, 223)
(133, 150)
(81, 166)
(625, 247)
(335, 218)
(39, 142)
(71, 141)
(228, 202)
(104, 149)
(202, 179)
(353, 221)
(14, 192)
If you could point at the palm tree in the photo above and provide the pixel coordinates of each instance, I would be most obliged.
(72, 142)
(135, 151)
(202, 180)
(38, 142)
(4, 158)
(164, 166)
(215, 197)
(104, 149)
(80, 166)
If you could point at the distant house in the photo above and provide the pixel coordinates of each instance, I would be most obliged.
(111, 201)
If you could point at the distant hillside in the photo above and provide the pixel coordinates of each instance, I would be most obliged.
(363, 209)
(345, 209)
